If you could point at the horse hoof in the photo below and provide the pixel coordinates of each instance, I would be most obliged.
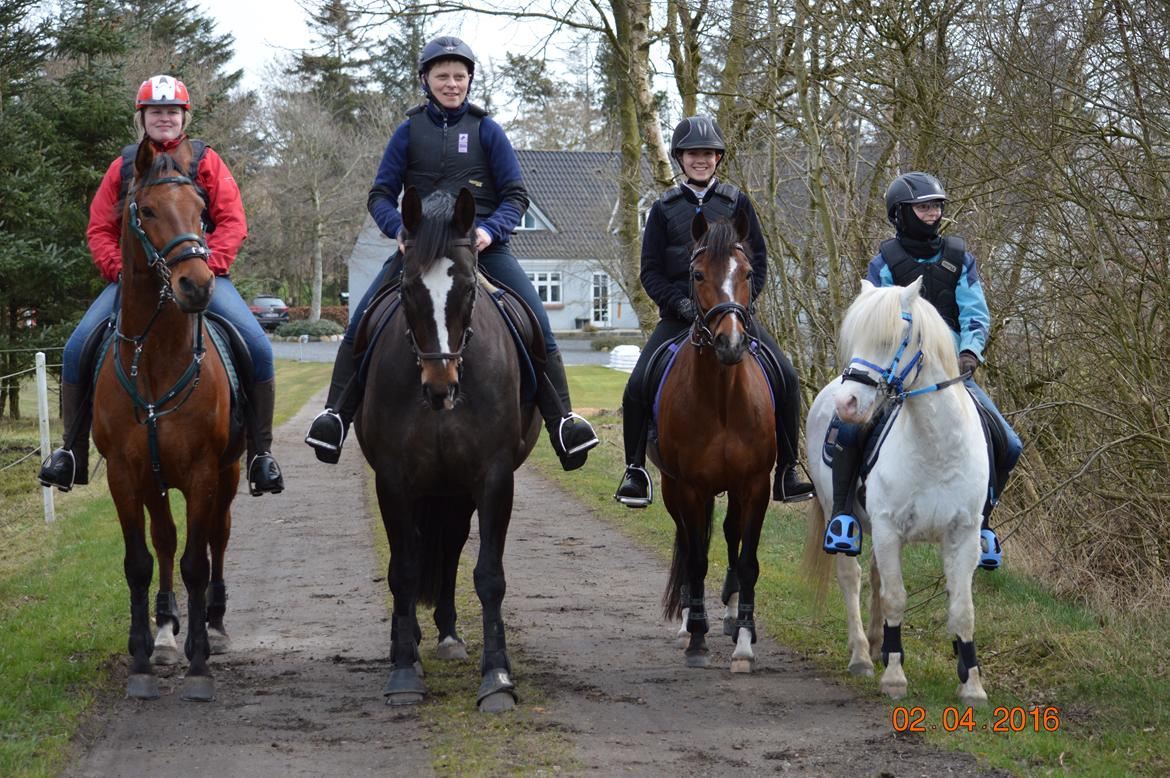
(742, 665)
(219, 641)
(894, 691)
(402, 699)
(198, 688)
(142, 686)
(497, 702)
(165, 656)
(861, 668)
(976, 700)
(451, 648)
(699, 659)
(405, 686)
(729, 627)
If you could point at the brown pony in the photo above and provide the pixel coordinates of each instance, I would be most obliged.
(162, 419)
(716, 433)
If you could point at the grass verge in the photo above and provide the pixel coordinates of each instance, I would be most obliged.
(1107, 677)
(63, 617)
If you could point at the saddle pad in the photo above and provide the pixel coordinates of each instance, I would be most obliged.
(663, 360)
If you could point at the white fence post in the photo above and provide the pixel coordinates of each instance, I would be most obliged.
(43, 416)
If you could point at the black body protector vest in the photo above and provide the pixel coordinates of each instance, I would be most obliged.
(679, 213)
(451, 157)
(198, 149)
(939, 279)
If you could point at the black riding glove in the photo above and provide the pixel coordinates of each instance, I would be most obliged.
(968, 362)
(684, 308)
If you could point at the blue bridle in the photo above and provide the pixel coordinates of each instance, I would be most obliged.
(891, 381)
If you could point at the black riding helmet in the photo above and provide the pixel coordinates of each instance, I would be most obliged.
(696, 132)
(441, 48)
(906, 190)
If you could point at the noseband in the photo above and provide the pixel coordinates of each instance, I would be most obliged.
(421, 356)
(701, 334)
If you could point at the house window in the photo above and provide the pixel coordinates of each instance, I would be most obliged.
(529, 223)
(548, 285)
(601, 299)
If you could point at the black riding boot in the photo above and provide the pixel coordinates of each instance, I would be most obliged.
(787, 487)
(69, 465)
(328, 430)
(637, 488)
(571, 435)
(263, 472)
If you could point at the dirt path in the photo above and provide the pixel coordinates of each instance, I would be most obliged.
(300, 692)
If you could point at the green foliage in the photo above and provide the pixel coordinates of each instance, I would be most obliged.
(300, 327)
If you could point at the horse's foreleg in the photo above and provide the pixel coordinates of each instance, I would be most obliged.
(497, 692)
(887, 549)
(849, 579)
(405, 685)
(732, 531)
(139, 568)
(960, 558)
(218, 535)
(750, 514)
(451, 646)
(198, 684)
(696, 510)
(166, 607)
(873, 632)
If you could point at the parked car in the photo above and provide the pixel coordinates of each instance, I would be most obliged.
(271, 312)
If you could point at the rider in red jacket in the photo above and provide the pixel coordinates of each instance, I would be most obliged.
(163, 110)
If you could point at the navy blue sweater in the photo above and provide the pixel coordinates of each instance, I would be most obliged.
(383, 199)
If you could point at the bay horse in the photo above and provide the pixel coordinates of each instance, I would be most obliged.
(162, 408)
(716, 433)
(443, 426)
(928, 484)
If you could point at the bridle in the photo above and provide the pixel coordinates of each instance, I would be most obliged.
(701, 328)
(421, 356)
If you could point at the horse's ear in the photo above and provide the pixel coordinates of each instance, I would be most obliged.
(866, 286)
(464, 216)
(911, 292)
(411, 209)
(742, 227)
(144, 159)
(698, 226)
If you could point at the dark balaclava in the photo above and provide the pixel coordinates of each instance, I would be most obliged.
(916, 236)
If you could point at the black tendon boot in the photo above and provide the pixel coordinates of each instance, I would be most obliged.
(69, 465)
(328, 430)
(263, 472)
(571, 435)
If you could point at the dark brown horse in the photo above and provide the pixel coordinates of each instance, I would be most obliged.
(162, 408)
(716, 433)
(443, 425)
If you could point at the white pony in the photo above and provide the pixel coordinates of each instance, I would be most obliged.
(928, 484)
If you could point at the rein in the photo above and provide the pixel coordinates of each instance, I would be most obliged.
(421, 356)
(701, 334)
(157, 260)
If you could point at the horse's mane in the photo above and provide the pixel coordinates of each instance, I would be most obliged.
(874, 324)
(433, 233)
(720, 239)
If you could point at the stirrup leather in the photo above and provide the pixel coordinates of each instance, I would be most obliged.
(325, 445)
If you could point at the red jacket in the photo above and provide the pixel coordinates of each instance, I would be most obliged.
(225, 208)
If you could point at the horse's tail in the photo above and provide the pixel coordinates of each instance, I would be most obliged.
(672, 603)
(817, 564)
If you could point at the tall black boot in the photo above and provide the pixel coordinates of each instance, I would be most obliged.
(328, 430)
(637, 488)
(263, 472)
(571, 435)
(69, 465)
(787, 486)
(844, 531)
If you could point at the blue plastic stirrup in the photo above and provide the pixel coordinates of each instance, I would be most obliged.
(990, 552)
(843, 535)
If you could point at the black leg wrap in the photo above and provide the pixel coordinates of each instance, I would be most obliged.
(966, 654)
(746, 620)
(891, 643)
(495, 648)
(697, 616)
(403, 645)
(730, 585)
(216, 600)
(166, 608)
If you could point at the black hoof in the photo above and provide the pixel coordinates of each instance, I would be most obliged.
(451, 648)
(142, 686)
(404, 687)
(699, 658)
(497, 693)
(198, 688)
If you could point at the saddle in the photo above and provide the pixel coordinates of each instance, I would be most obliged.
(519, 318)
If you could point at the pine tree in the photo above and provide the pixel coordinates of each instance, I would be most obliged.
(334, 67)
(394, 60)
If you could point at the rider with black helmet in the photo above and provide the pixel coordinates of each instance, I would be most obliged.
(698, 146)
(950, 281)
(446, 144)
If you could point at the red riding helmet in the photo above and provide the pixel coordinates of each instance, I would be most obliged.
(162, 90)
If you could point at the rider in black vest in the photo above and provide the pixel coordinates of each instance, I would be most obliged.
(950, 281)
(697, 145)
(449, 144)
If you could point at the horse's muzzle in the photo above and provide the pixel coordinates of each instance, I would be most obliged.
(441, 398)
(730, 350)
(192, 297)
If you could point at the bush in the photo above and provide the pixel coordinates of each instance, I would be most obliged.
(317, 329)
(334, 313)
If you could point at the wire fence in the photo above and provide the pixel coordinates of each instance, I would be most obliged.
(16, 438)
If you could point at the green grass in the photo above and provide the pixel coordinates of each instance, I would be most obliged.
(63, 616)
(1108, 676)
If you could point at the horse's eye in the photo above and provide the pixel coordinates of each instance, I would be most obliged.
(147, 212)
(697, 275)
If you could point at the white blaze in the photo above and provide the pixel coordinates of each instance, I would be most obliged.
(438, 282)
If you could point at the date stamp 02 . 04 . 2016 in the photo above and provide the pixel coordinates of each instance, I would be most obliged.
(1006, 720)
